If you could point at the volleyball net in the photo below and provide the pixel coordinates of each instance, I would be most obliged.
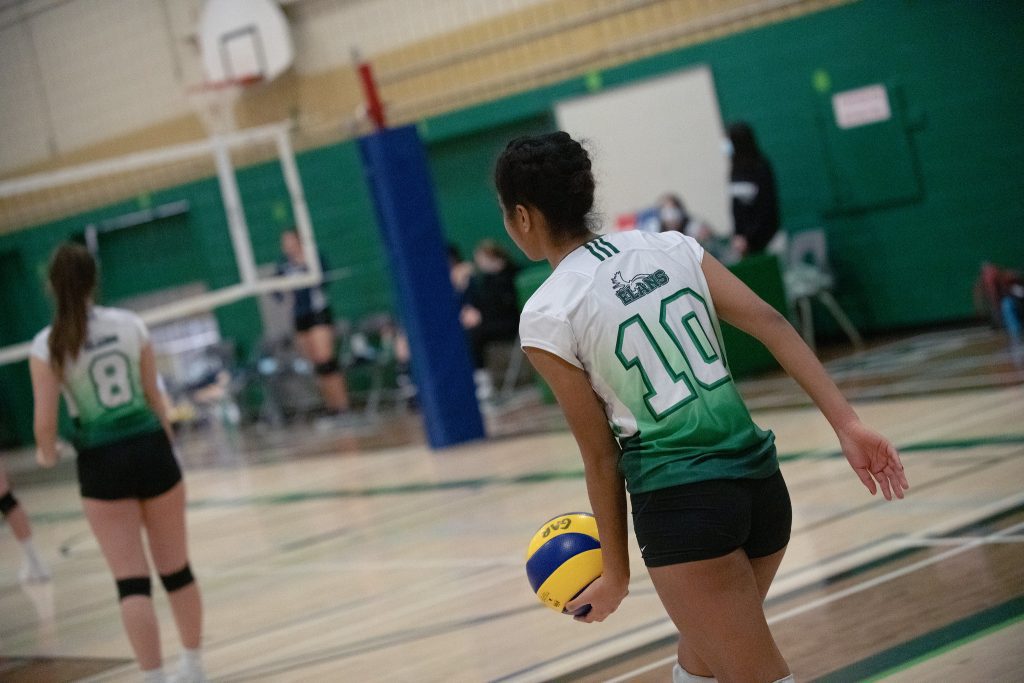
(134, 207)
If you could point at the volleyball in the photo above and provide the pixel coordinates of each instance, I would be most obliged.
(563, 558)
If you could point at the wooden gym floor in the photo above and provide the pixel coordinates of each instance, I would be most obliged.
(361, 555)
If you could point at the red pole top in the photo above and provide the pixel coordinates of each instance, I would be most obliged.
(374, 107)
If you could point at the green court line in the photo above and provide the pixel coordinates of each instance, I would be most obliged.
(529, 478)
(930, 645)
(945, 445)
(889, 558)
(951, 646)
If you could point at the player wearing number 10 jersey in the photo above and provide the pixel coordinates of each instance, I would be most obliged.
(102, 362)
(625, 331)
(633, 311)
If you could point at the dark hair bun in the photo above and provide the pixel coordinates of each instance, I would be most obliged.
(551, 173)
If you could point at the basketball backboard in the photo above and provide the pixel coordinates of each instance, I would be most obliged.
(244, 39)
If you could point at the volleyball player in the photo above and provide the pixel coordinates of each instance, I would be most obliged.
(625, 331)
(33, 569)
(314, 331)
(103, 363)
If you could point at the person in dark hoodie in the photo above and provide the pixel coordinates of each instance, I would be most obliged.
(491, 310)
(755, 204)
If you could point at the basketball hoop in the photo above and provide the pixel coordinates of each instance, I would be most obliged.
(214, 102)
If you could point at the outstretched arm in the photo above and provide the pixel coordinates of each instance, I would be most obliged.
(605, 486)
(870, 454)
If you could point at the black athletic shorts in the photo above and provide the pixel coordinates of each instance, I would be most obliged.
(307, 321)
(709, 519)
(140, 467)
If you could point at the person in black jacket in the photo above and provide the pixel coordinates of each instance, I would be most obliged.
(491, 310)
(755, 204)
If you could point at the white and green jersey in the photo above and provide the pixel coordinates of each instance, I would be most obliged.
(103, 385)
(633, 310)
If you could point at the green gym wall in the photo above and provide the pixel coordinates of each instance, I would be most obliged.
(911, 207)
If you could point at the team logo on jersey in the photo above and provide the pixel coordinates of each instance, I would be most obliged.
(91, 344)
(638, 286)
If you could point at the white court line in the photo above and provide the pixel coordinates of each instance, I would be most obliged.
(908, 389)
(343, 566)
(642, 670)
(852, 590)
(821, 570)
(957, 540)
(398, 614)
(210, 648)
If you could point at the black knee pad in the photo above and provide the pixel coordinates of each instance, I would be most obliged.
(328, 368)
(7, 503)
(134, 585)
(178, 579)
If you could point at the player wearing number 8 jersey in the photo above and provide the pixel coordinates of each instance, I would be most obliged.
(102, 362)
(625, 331)
(102, 387)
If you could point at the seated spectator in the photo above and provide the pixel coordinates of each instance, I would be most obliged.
(675, 218)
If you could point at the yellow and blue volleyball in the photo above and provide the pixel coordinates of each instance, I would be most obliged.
(563, 558)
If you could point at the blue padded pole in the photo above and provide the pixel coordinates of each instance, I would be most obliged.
(395, 165)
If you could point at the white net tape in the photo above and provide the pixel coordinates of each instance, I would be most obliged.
(150, 171)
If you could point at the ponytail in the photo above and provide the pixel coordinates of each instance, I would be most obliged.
(73, 281)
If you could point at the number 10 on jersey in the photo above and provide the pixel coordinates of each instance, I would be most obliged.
(685, 318)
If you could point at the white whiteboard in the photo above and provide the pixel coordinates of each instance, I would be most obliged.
(657, 136)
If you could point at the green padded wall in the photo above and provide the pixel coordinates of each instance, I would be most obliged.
(463, 168)
(910, 209)
(911, 213)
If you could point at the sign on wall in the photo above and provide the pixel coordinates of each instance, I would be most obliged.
(861, 107)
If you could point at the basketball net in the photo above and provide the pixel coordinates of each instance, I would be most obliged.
(214, 103)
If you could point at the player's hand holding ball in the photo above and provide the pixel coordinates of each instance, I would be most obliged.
(599, 599)
(565, 570)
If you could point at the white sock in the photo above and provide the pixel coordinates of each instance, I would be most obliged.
(190, 666)
(192, 658)
(29, 549)
(154, 676)
(681, 675)
(34, 565)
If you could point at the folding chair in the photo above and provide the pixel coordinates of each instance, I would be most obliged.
(808, 277)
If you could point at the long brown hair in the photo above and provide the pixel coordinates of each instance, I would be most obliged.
(73, 281)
